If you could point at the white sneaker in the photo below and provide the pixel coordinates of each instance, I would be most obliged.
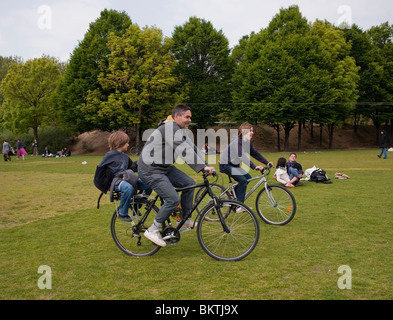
(240, 209)
(188, 223)
(155, 237)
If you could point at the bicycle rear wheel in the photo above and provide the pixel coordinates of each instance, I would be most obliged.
(243, 233)
(275, 206)
(128, 236)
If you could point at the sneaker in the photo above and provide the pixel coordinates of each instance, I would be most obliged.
(188, 223)
(126, 218)
(240, 209)
(155, 237)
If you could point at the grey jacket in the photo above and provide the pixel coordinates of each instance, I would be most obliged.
(165, 145)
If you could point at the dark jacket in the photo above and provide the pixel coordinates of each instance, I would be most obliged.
(121, 166)
(384, 140)
(236, 151)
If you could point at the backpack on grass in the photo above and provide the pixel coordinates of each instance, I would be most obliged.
(319, 176)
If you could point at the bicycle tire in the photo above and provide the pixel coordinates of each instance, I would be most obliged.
(282, 211)
(239, 242)
(128, 236)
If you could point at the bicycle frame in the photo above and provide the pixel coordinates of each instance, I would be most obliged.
(207, 190)
(262, 180)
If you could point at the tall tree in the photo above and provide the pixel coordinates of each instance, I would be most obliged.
(204, 68)
(28, 89)
(140, 78)
(84, 67)
(292, 70)
(378, 76)
(340, 78)
(273, 72)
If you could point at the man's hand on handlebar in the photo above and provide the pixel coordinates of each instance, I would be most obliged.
(261, 168)
(209, 170)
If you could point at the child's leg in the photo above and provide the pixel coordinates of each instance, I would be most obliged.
(127, 191)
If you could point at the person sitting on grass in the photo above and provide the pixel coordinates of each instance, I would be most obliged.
(281, 174)
(294, 169)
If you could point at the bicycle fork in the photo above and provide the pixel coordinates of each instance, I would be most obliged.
(270, 196)
(216, 202)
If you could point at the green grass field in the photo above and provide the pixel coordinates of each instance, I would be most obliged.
(48, 217)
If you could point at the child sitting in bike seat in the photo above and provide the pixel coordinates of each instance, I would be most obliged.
(117, 161)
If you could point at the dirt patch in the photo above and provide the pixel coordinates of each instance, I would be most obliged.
(265, 139)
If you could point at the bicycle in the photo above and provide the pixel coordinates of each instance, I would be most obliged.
(223, 232)
(275, 204)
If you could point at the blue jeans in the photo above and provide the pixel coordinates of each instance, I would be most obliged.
(292, 172)
(241, 176)
(127, 192)
(164, 185)
(383, 152)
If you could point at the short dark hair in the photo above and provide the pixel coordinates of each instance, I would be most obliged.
(180, 109)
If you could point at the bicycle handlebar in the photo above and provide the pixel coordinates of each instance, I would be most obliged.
(207, 173)
(268, 168)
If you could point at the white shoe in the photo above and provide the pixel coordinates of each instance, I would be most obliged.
(241, 209)
(155, 237)
(188, 223)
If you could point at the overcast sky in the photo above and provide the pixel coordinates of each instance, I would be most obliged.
(31, 28)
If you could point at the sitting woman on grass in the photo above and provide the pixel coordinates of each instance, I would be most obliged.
(281, 174)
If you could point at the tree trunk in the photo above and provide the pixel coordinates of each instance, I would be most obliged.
(331, 130)
(287, 129)
(299, 137)
(277, 127)
(320, 134)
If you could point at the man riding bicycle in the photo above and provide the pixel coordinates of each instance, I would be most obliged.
(155, 167)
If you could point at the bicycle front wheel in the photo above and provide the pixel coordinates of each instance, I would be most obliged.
(128, 236)
(238, 241)
(276, 205)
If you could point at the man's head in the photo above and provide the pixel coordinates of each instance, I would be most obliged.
(182, 115)
(292, 157)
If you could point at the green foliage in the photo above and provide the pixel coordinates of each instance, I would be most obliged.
(204, 68)
(291, 71)
(139, 77)
(27, 90)
(83, 69)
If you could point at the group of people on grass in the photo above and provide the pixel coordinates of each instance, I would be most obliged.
(157, 172)
(9, 151)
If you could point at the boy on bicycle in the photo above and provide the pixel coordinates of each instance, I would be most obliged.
(236, 153)
(156, 168)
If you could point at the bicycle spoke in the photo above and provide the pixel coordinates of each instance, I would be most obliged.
(236, 244)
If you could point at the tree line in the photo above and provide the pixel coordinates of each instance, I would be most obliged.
(123, 76)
